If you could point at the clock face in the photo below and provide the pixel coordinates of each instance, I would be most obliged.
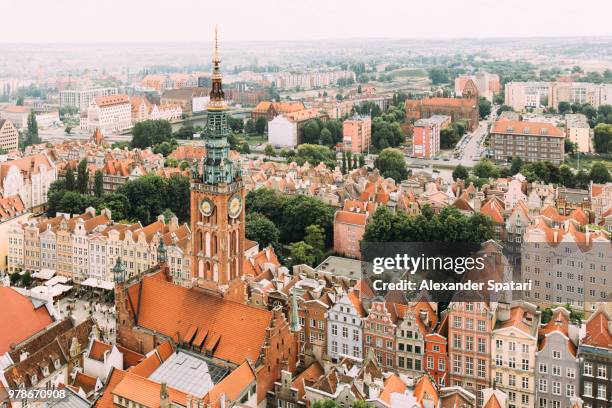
(235, 206)
(206, 208)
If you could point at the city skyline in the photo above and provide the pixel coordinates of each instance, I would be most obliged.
(71, 23)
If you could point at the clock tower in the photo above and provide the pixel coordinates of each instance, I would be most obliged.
(217, 197)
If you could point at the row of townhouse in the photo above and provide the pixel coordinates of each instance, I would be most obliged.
(472, 345)
(87, 246)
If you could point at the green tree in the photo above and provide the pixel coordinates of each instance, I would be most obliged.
(344, 168)
(147, 196)
(26, 279)
(564, 107)
(314, 154)
(603, 138)
(70, 181)
(15, 278)
(515, 166)
(177, 195)
(168, 214)
(484, 107)
(438, 75)
(19, 101)
(566, 176)
(326, 137)
(460, 172)
(504, 108)
(485, 169)
(260, 229)
(249, 127)
(267, 202)
(118, 205)
(260, 125)
(82, 181)
(354, 162)
(311, 132)
(98, 187)
(269, 150)
(391, 163)
(302, 253)
(165, 148)
(299, 212)
(315, 237)
(32, 132)
(150, 133)
(599, 173)
(570, 147)
(546, 315)
(361, 160)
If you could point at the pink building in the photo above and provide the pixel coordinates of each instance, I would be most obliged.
(349, 227)
(426, 136)
(356, 133)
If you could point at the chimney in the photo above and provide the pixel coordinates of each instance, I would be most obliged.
(555, 235)
(164, 397)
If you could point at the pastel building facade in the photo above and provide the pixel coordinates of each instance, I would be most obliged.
(345, 328)
(108, 113)
(426, 136)
(357, 134)
(9, 136)
(29, 177)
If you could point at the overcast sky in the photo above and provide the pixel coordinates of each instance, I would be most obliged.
(192, 20)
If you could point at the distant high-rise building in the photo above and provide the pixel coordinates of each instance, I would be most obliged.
(82, 98)
(357, 133)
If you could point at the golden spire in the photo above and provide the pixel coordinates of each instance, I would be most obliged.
(216, 93)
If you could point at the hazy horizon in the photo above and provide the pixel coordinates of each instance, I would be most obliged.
(155, 21)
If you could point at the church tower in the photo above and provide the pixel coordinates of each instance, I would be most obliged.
(217, 197)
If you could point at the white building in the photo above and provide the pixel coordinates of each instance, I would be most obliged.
(578, 131)
(82, 98)
(282, 132)
(9, 136)
(108, 113)
(47, 119)
(345, 328)
(30, 177)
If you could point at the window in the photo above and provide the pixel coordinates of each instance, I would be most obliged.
(469, 341)
(390, 344)
(389, 360)
(570, 372)
(525, 382)
(441, 364)
(334, 346)
(512, 346)
(345, 332)
(499, 378)
(334, 330)
(601, 371)
(498, 361)
(457, 322)
(588, 389)
(556, 388)
(525, 348)
(469, 366)
(482, 347)
(355, 335)
(556, 370)
(570, 391)
(457, 364)
(482, 370)
(556, 354)
(512, 362)
(543, 385)
(543, 403)
(525, 365)
(601, 391)
(430, 362)
(525, 399)
(469, 324)
(481, 325)
(543, 368)
(498, 344)
(588, 369)
(400, 361)
(512, 380)
(457, 341)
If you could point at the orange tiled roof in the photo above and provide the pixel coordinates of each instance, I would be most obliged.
(493, 402)
(18, 313)
(393, 384)
(518, 127)
(146, 392)
(311, 374)
(84, 381)
(106, 400)
(597, 331)
(347, 217)
(232, 385)
(425, 389)
(168, 309)
(98, 349)
(110, 100)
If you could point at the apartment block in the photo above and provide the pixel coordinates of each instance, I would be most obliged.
(9, 136)
(426, 135)
(578, 131)
(356, 134)
(531, 141)
(82, 98)
(108, 113)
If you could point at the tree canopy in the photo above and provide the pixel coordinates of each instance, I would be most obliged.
(391, 163)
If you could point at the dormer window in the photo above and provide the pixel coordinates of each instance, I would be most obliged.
(56, 363)
(34, 379)
(45, 371)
